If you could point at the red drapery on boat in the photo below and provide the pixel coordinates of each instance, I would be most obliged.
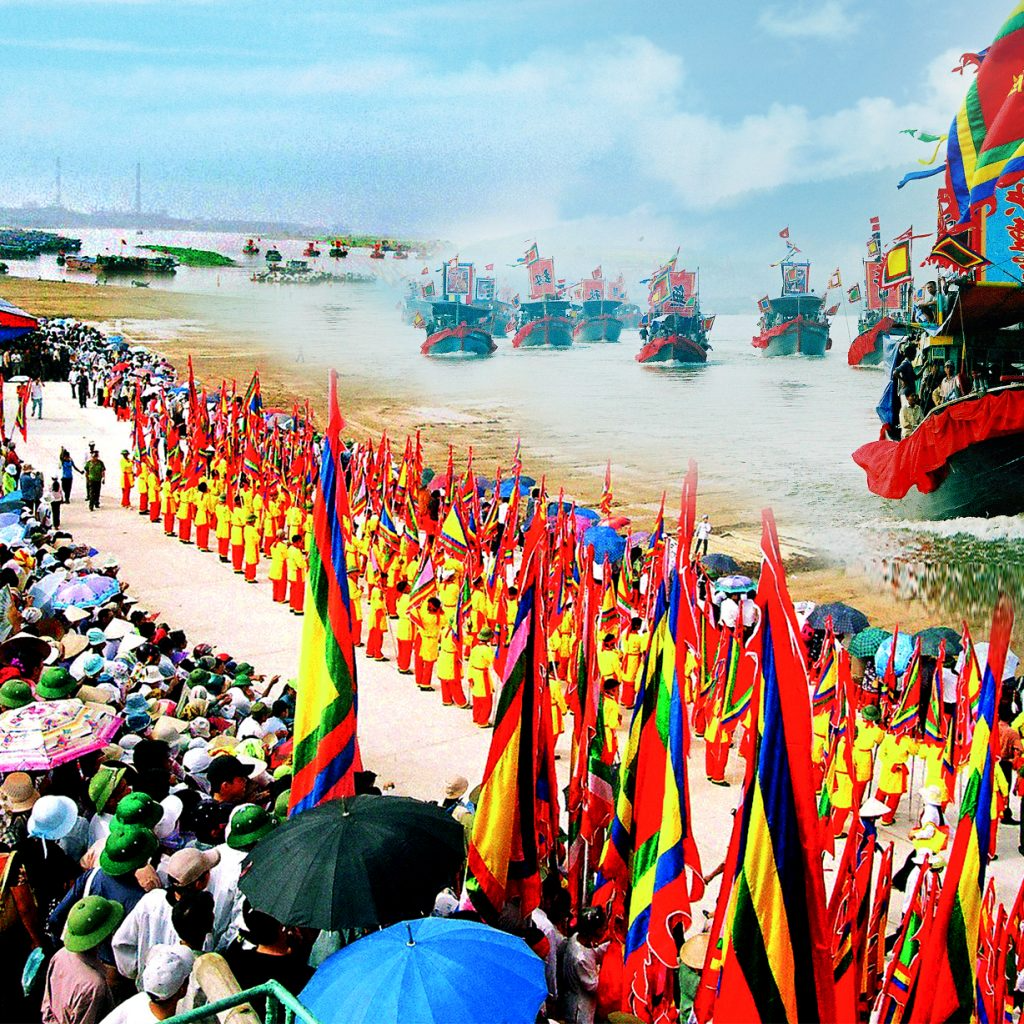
(762, 340)
(864, 344)
(893, 467)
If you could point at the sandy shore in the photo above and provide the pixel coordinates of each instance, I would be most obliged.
(152, 317)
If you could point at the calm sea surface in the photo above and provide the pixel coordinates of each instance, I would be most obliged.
(776, 431)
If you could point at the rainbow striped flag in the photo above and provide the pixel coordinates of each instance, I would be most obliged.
(326, 751)
(515, 827)
(950, 953)
(776, 955)
(904, 718)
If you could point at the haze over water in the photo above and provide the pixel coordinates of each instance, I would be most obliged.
(764, 431)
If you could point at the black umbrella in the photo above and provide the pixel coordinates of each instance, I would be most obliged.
(845, 620)
(719, 565)
(355, 862)
(932, 637)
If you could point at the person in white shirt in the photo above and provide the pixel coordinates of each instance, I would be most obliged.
(701, 536)
(164, 981)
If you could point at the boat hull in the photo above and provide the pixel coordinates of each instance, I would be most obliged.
(672, 350)
(797, 337)
(598, 328)
(463, 341)
(986, 479)
(868, 348)
(550, 331)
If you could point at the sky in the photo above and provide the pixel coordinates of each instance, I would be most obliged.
(611, 132)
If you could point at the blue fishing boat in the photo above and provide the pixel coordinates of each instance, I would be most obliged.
(544, 322)
(677, 340)
(598, 321)
(458, 330)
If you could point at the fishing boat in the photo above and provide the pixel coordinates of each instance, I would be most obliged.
(400, 253)
(297, 267)
(965, 458)
(377, 253)
(598, 321)
(458, 330)
(17, 251)
(81, 264)
(677, 340)
(794, 324)
(273, 255)
(250, 248)
(311, 250)
(163, 265)
(544, 322)
(338, 251)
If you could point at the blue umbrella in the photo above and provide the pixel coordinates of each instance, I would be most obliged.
(845, 620)
(85, 591)
(734, 584)
(42, 591)
(506, 486)
(904, 650)
(483, 485)
(606, 544)
(426, 971)
(7, 518)
(567, 508)
(719, 565)
(12, 534)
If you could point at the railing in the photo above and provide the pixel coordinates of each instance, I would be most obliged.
(282, 1007)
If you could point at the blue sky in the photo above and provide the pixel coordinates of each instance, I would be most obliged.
(611, 131)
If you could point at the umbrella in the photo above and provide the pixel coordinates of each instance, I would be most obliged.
(434, 969)
(119, 367)
(606, 543)
(981, 653)
(7, 518)
(355, 862)
(904, 650)
(615, 522)
(12, 501)
(734, 584)
(86, 591)
(932, 638)
(483, 485)
(866, 642)
(42, 735)
(19, 378)
(12, 534)
(42, 590)
(845, 620)
(568, 508)
(506, 486)
(427, 477)
(719, 565)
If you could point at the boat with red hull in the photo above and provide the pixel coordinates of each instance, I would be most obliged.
(545, 323)
(794, 325)
(458, 330)
(598, 321)
(676, 341)
(967, 456)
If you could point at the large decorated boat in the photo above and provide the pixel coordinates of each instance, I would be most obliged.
(676, 340)
(312, 250)
(794, 323)
(458, 330)
(544, 322)
(162, 265)
(250, 248)
(598, 321)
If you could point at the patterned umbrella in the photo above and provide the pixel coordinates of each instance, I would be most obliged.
(845, 620)
(716, 565)
(734, 584)
(43, 735)
(86, 591)
(867, 641)
(932, 638)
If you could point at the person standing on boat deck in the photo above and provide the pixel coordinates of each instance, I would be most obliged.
(911, 416)
(930, 380)
(950, 386)
(701, 536)
(904, 381)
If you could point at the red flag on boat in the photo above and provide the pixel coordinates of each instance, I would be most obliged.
(784, 233)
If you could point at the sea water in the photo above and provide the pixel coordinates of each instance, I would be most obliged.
(764, 431)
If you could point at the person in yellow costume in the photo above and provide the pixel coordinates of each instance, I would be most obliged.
(427, 621)
(893, 756)
(142, 483)
(612, 717)
(355, 596)
(403, 629)
(298, 566)
(840, 789)
(276, 573)
(127, 479)
(238, 519)
(250, 547)
(449, 669)
(183, 515)
(222, 527)
(377, 622)
(448, 593)
(868, 735)
(932, 832)
(153, 489)
(478, 606)
(269, 527)
(609, 663)
(511, 611)
(559, 707)
(634, 647)
(203, 513)
(168, 506)
(481, 672)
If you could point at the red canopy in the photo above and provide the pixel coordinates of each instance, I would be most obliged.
(893, 467)
(866, 343)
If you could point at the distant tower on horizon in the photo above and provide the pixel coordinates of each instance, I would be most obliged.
(57, 200)
(138, 189)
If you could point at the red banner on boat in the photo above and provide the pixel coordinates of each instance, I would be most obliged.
(920, 461)
(878, 296)
(542, 278)
(592, 288)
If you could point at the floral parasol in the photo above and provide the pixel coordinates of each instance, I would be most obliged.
(43, 735)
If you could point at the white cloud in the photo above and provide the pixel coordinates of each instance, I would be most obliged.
(809, 19)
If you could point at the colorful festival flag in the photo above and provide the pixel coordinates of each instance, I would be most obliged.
(853, 294)
(326, 750)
